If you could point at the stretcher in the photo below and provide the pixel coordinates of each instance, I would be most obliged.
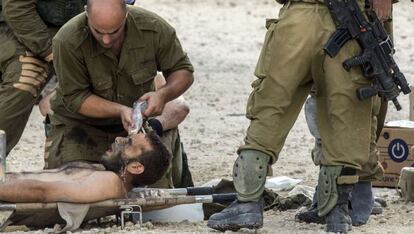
(41, 215)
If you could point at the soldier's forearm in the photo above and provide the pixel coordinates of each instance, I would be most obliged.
(97, 107)
(177, 83)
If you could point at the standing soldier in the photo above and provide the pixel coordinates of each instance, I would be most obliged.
(291, 62)
(26, 31)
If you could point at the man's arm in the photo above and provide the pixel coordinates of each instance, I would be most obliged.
(174, 112)
(97, 107)
(175, 66)
(176, 84)
(98, 186)
(28, 27)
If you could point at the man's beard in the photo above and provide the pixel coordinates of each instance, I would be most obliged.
(114, 163)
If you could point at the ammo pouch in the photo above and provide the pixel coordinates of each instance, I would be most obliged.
(58, 12)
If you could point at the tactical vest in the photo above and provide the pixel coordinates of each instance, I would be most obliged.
(58, 12)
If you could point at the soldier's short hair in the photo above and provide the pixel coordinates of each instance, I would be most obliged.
(155, 161)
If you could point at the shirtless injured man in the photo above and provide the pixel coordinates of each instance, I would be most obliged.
(133, 161)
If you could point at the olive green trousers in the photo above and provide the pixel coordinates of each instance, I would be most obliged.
(15, 104)
(292, 60)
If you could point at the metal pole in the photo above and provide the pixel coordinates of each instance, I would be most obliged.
(2, 156)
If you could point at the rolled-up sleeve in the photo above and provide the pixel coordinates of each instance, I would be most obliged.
(72, 74)
(170, 54)
(27, 26)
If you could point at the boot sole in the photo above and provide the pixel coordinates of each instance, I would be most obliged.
(250, 221)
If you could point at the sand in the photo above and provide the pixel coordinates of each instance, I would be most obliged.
(223, 39)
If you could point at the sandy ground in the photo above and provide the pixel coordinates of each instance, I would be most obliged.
(223, 39)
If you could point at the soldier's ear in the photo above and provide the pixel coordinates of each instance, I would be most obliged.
(86, 10)
(135, 168)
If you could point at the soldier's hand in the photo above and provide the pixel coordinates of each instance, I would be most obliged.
(49, 58)
(34, 74)
(156, 103)
(126, 117)
(383, 8)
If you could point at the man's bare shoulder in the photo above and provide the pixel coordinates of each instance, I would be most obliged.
(106, 180)
(94, 187)
(108, 175)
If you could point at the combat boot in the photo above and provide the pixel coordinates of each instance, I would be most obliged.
(338, 219)
(362, 203)
(310, 215)
(238, 215)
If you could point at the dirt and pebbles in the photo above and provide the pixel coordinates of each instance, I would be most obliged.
(223, 39)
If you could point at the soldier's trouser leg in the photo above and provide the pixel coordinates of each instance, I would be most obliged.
(173, 176)
(15, 105)
(181, 173)
(285, 75)
(362, 199)
(22, 80)
(76, 142)
(372, 170)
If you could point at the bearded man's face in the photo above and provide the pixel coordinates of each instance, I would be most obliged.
(125, 149)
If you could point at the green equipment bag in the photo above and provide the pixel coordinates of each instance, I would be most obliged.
(58, 12)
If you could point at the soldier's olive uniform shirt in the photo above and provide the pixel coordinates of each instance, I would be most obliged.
(84, 67)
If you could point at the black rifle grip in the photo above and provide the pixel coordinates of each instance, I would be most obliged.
(194, 191)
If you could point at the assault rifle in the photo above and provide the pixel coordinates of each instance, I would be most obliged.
(376, 59)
